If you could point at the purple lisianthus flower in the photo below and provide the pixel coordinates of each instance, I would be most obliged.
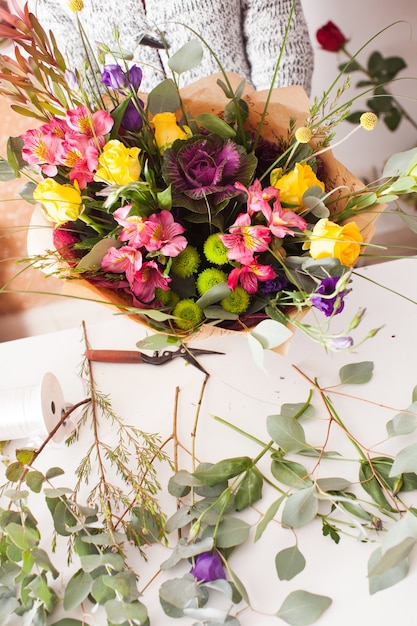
(114, 77)
(204, 169)
(275, 284)
(341, 343)
(208, 566)
(328, 305)
(132, 119)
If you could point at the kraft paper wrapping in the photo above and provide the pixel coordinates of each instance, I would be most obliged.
(205, 96)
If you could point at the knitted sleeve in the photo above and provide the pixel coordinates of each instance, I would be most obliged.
(264, 23)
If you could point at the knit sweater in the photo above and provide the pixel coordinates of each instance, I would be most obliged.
(246, 35)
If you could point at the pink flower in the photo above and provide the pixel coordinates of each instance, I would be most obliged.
(147, 279)
(40, 146)
(125, 259)
(164, 234)
(258, 198)
(249, 275)
(133, 226)
(94, 126)
(76, 153)
(280, 220)
(244, 239)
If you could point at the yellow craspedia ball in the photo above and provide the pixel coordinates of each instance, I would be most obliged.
(368, 120)
(76, 5)
(303, 134)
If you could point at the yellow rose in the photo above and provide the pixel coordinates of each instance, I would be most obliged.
(60, 203)
(119, 165)
(293, 185)
(167, 130)
(332, 240)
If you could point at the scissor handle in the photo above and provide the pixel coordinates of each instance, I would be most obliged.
(115, 356)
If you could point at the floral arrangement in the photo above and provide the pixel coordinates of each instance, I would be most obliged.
(188, 207)
(185, 217)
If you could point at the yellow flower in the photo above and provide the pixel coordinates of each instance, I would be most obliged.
(167, 130)
(76, 5)
(60, 203)
(119, 165)
(293, 185)
(368, 120)
(303, 134)
(332, 240)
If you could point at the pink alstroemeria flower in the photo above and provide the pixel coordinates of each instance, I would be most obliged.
(244, 239)
(164, 234)
(258, 198)
(94, 126)
(133, 226)
(249, 275)
(125, 259)
(41, 145)
(147, 280)
(281, 219)
(76, 153)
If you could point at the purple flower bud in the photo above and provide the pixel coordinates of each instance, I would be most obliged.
(132, 120)
(113, 77)
(135, 77)
(208, 566)
(341, 343)
(72, 80)
(329, 306)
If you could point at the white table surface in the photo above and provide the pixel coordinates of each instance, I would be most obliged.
(243, 394)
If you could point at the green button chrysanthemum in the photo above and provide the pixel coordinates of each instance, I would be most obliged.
(188, 314)
(215, 251)
(186, 263)
(237, 301)
(209, 278)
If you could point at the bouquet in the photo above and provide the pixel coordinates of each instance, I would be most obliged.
(209, 205)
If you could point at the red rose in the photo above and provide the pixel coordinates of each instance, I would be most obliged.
(330, 37)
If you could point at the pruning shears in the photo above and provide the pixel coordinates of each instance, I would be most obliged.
(157, 358)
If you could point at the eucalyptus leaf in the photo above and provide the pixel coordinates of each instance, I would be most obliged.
(223, 470)
(14, 471)
(77, 589)
(121, 613)
(34, 481)
(356, 373)
(270, 333)
(187, 57)
(185, 551)
(90, 562)
(164, 98)
(42, 560)
(157, 341)
(399, 162)
(405, 461)
(124, 584)
(297, 409)
(390, 577)
(69, 621)
(268, 517)
(179, 519)
(249, 490)
(289, 472)
(53, 472)
(215, 294)
(289, 562)
(231, 532)
(403, 423)
(301, 508)
(392, 557)
(333, 484)
(92, 260)
(23, 537)
(215, 125)
(301, 608)
(286, 432)
(24, 455)
(178, 593)
(7, 172)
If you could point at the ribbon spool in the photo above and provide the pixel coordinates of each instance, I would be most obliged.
(34, 411)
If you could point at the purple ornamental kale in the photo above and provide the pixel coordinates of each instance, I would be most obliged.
(203, 170)
(329, 306)
(208, 566)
